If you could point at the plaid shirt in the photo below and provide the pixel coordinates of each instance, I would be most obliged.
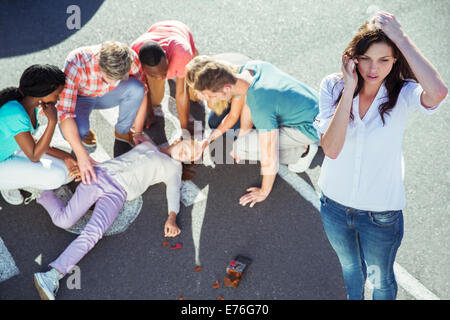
(83, 78)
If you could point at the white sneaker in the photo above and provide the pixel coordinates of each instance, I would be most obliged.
(35, 193)
(305, 161)
(47, 284)
(12, 196)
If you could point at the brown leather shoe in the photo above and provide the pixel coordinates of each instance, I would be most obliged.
(126, 137)
(91, 139)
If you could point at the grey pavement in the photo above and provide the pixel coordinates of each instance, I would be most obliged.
(292, 258)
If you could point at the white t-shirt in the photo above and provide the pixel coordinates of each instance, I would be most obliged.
(367, 174)
(144, 166)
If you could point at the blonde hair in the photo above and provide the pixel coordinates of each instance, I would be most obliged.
(115, 59)
(219, 106)
(194, 67)
(207, 73)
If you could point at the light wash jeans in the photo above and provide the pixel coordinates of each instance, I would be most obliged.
(366, 243)
(128, 95)
(19, 172)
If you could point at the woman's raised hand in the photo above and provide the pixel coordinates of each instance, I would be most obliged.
(349, 71)
(50, 111)
(389, 24)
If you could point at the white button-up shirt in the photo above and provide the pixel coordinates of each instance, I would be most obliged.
(144, 166)
(367, 174)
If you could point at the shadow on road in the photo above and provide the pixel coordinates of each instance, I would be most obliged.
(33, 25)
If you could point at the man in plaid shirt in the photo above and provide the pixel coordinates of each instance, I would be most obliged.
(101, 77)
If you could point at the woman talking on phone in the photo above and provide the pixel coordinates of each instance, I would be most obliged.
(363, 113)
(24, 162)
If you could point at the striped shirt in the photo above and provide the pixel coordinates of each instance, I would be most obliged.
(83, 78)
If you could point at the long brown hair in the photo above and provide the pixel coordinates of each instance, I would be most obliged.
(401, 71)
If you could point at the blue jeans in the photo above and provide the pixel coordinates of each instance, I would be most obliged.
(366, 243)
(128, 95)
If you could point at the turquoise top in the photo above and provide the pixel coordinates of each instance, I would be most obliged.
(276, 99)
(13, 120)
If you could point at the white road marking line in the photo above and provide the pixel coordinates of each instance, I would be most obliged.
(191, 194)
(197, 216)
(8, 268)
(99, 154)
(300, 185)
(404, 278)
(412, 285)
(111, 115)
(38, 259)
(207, 160)
(171, 107)
(172, 117)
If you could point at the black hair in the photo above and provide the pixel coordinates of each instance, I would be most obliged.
(151, 53)
(36, 81)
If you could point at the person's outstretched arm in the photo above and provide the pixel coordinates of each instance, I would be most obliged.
(182, 101)
(268, 146)
(230, 120)
(173, 195)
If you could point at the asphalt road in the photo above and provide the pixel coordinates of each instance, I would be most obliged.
(292, 258)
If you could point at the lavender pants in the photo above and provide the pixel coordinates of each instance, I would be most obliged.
(110, 197)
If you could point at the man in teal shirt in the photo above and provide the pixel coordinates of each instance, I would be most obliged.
(278, 100)
(281, 108)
